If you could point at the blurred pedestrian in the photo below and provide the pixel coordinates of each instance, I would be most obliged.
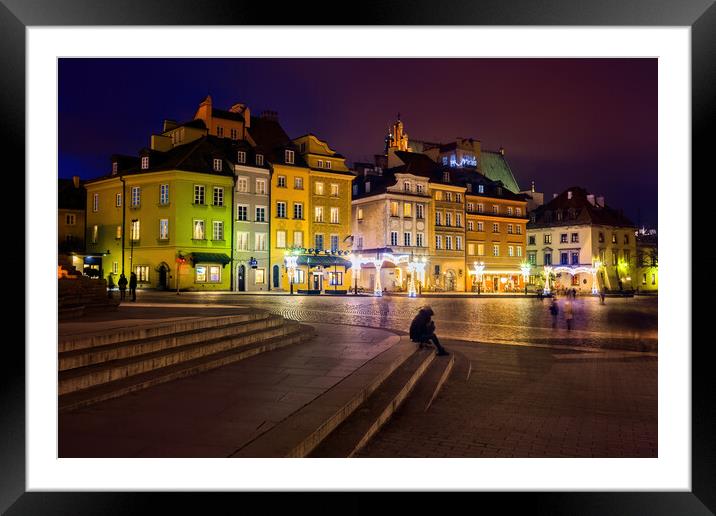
(554, 310)
(133, 286)
(574, 293)
(568, 314)
(122, 283)
(601, 297)
(422, 330)
(110, 285)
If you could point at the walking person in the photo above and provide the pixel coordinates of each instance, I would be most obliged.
(422, 329)
(568, 314)
(133, 286)
(110, 285)
(122, 284)
(574, 293)
(601, 297)
(554, 310)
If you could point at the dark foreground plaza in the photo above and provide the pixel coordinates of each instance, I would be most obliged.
(518, 388)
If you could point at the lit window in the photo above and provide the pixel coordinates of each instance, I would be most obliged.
(480, 249)
(198, 230)
(360, 213)
(118, 234)
(145, 162)
(118, 200)
(319, 188)
(218, 230)
(280, 239)
(242, 240)
(334, 215)
(260, 187)
(260, 276)
(260, 241)
(298, 238)
(134, 232)
(95, 202)
(480, 188)
(394, 208)
(334, 190)
(242, 185)
(495, 250)
(407, 209)
(142, 272)
(163, 229)
(471, 249)
(298, 183)
(318, 214)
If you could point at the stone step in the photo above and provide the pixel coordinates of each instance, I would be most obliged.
(150, 330)
(302, 431)
(355, 431)
(126, 349)
(89, 376)
(295, 334)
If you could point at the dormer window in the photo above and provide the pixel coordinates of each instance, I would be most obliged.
(241, 158)
(445, 160)
(115, 167)
(480, 188)
(469, 187)
(217, 165)
(319, 163)
(145, 162)
(260, 159)
(220, 131)
(289, 156)
(446, 177)
(328, 165)
(406, 186)
(367, 187)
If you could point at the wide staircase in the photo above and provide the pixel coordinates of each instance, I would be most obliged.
(103, 365)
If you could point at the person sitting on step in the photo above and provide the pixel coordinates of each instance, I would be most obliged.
(422, 330)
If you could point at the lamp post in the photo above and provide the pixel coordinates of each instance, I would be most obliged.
(479, 267)
(131, 244)
(291, 262)
(525, 268)
(595, 268)
(180, 260)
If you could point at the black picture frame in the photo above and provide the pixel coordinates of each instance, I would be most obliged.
(700, 15)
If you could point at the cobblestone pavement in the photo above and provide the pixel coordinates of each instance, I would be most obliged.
(629, 323)
(532, 402)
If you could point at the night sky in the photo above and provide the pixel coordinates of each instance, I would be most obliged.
(562, 122)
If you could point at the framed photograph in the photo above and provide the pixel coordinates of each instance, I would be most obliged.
(582, 100)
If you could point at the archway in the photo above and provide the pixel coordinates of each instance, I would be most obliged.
(241, 275)
(276, 276)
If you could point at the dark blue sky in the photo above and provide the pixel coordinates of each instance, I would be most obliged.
(562, 122)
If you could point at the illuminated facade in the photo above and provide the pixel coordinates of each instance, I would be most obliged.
(647, 260)
(447, 268)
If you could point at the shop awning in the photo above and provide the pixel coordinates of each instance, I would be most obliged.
(323, 260)
(209, 258)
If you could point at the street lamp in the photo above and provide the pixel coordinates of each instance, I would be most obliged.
(479, 268)
(525, 268)
(131, 243)
(595, 268)
(291, 262)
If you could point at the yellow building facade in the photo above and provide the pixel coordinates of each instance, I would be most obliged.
(446, 268)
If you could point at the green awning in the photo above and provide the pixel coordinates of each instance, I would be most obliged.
(210, 258)
(323, 260)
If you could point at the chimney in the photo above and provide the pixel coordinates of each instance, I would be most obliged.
(169, 124)
(569, 194)
(76, 181)
(533, 186)
(590, 198)
(600, 201)
(270, 115)
(502, 150)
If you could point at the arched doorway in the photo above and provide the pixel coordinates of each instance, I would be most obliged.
(276, 276)
(163, 277)
(450, 280)
(241, 274)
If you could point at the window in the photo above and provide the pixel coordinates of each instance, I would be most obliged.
(220, 131)
(480, 188)
(319, 163)
(242, 240)
(241, 158)
(393, 238)
(318, 188)
(242, 185)
(198, 230)
(419, 188)
(548, 238)
(548, 258)
(198, 194)
(446, 177)
(335, 278)
(495, 227)
(208, 274)
(495, 209)
(218, 230)
(643, 279)
(480, 225)
(289, 157)
(118, 233)
(217, 165)
(496, 250)
(95, 202)
(458, 197)
(480, 249)
(280, 239)
(575, 238)
(471, 249)
(519, 229)
(407, 209)
(480, 208)
(334, 243)
(145, 162)
(458, 243)
(334, 190)
(319, 242)
(134, 230)
(318, 214)
(518, 212)
(298, 238)
(575, 258)
(163, 195)
(298, 183)
(448, 219)
(510, 250)
(470, 206)
(601, 237)
(118, 200)
(438, 195)
(563, 259)
(448, 242)
(136, 197)
(115, 167)
(367, 187)
(260, 276)
(438, 242)
(510, 229)
(298, 210)
(281, 209)
(406, 186)
(532, 257)
(260, 187)
(70, 219)
(533, 217)
(334, 215)
(234, 134)
(163, 229)
(509, 210)
(438, 218)
(95, 234)
(458, 220)
(563, 238)
(281, 181)
(627, 255)
(407, 239)
(142, 272)
(420, 211)
(653, 279)
(260, 161)
(469, 187)
(242, 212)
(519, 251)
(359, 242)
(614, 238)
(531, 240)
(260, 214)
(470, 225)
(626, 238)
(260, 241)
(448, 196)
(218, 196)
(394, 208)
(115, 267)
(360, 213)
(420, 240)
(328, 164)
